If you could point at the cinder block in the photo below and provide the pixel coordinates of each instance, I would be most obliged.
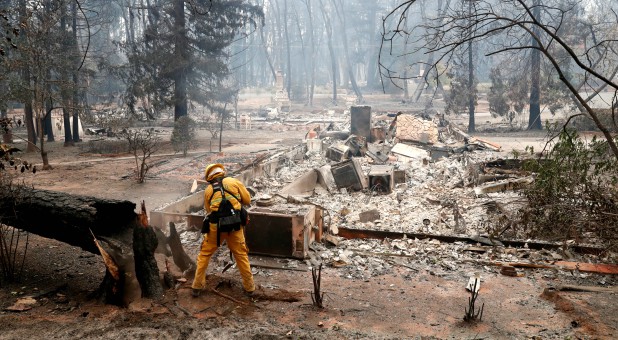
(369, 216)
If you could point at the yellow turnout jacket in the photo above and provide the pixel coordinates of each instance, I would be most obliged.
(231, 186)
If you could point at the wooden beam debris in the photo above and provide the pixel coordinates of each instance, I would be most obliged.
(600, 268)
(511, 184)
(474, 140)
(485, 144)
(593, 289)
(350, 233)
(597, 268)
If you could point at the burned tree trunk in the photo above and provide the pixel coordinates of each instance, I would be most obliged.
(144, 246)
(110, 228)
(67, 218)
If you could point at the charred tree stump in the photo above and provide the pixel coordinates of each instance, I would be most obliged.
(110, 228)
(111, 290)
(144, 246)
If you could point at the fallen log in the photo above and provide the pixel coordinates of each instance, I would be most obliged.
(67, 218)
(89, 223)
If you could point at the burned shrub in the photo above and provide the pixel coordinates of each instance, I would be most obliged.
(13, 242)
(143, 143)
(575, 194)
(472, 312)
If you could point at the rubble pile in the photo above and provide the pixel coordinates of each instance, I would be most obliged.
(366, 258)
(435, 196)
(362, 259)
(438, 183)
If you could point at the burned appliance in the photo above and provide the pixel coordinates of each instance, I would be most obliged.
(381, 179)
(338, 152)
(349, 174)
(357, 145)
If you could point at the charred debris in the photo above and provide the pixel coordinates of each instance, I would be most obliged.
(378, 192)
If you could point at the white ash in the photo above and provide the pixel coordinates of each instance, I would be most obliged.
(435, 192)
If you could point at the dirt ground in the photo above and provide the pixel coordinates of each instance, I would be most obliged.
(407, 302)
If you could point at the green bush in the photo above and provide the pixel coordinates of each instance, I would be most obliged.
(606, 116)
(575, 193)
(183, 136)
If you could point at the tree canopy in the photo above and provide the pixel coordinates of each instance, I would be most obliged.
(576, 39)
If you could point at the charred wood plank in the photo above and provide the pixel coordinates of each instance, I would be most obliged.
(593, 289)
(181, 259)
(349, 233)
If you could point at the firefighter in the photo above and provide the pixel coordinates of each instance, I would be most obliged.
(238, 195)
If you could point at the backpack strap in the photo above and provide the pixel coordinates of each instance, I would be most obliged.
(220, 183)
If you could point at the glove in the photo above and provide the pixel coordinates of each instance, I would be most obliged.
(206, 225)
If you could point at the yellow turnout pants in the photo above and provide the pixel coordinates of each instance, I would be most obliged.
(236, 243)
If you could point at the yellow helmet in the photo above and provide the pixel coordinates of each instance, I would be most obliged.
(213, 171)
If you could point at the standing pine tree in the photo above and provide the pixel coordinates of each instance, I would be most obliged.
(498, 105)
(458, 97)
(182, 56)
(183, 136)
